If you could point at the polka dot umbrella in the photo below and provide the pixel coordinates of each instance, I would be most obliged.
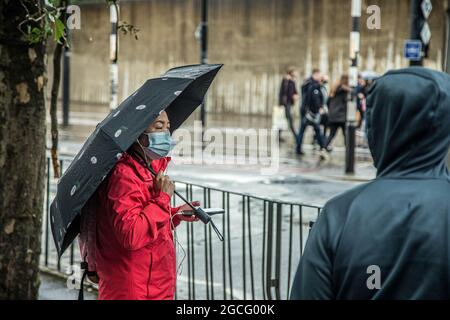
(179, 92)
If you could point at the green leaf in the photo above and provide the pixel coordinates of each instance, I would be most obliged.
(59, 30)
(52, 3)
(34, 35)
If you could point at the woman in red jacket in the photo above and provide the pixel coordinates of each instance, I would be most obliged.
(135, 253)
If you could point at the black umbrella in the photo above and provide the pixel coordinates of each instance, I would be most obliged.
(179, 92)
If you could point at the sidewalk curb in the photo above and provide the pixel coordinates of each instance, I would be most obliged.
(349, 178)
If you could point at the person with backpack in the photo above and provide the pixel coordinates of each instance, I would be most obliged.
(129, 246)
(311, 107)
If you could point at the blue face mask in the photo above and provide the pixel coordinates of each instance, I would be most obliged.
(159, 144)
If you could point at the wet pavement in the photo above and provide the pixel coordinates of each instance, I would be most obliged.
(55, 288)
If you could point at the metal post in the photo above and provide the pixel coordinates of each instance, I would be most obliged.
(447, 54)
(113, 49)
(447, 41)
(66, 82)
(204, 51)
(352, 104)
(416, 27)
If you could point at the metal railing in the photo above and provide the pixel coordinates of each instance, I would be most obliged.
(264, 240)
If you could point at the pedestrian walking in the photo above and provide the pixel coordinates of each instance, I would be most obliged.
(337, 107)
(288, 96)
(388, 239)
(324, 111)
(311, 108)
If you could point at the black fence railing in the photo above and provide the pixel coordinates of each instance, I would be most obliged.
(264, 240)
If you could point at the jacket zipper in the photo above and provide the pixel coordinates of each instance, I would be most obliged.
(149, 275)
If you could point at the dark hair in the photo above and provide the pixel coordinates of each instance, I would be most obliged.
(315, 70)
(343, 81)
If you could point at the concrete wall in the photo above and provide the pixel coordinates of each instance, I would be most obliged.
(255, 39)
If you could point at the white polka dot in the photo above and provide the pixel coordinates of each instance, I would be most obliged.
(115, 114)
(141, 107)
(72, 192)
(119, 155)
(118, 133)
(93, 160)
(177, 93)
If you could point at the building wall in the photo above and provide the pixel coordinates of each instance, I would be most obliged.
(255, 39)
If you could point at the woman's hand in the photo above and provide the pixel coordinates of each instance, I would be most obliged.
(164, 184)
(187, 208)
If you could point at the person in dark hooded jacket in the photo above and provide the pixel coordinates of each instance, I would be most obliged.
(390, 238)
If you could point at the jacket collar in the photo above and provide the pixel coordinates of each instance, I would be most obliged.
(140, 168)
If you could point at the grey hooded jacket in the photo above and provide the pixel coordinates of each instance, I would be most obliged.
(390, 238)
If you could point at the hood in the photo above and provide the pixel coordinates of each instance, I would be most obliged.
(408, 123)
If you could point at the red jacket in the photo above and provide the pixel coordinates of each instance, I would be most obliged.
(135, 251)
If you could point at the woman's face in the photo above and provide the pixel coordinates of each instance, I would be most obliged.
(161, 124)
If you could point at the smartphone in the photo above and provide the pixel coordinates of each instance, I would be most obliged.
(210, 211)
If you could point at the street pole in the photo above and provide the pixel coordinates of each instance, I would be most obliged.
(447, 40)
(66, 79)
(204, 52)
(113, 49)
(447, 53)
(416, 27)
(352, 101)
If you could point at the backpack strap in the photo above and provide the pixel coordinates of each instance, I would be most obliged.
(84, 266)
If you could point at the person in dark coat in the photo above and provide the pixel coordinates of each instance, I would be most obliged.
(337, 107)
(288, 96)
(389, 239)
(312, 104)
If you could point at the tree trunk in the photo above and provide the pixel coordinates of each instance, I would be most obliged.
(54, 97)
(22, 152)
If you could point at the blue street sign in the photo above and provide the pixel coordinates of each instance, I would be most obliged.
(413, 50)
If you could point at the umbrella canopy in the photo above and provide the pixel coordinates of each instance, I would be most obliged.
(179, 92)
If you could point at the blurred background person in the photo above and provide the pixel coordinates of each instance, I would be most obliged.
(311, 107)
(288, 97)
(337, 107)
